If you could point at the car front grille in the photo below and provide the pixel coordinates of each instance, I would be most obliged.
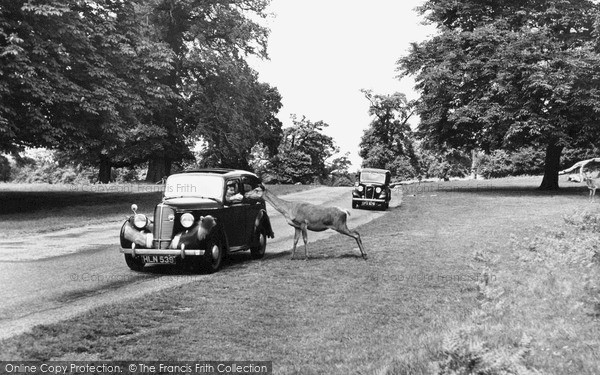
(369, 192)
(163, 227)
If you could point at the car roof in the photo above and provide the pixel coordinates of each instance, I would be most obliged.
(376, 170)
(225, 172)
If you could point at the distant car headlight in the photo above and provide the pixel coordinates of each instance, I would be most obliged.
(187, 220)
(378, 190)
(140, 221)
(361, 188)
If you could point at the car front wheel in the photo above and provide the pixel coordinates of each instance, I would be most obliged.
(135, 263)
(213, 258)
(258, 251)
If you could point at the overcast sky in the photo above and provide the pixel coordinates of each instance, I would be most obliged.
(323, 52)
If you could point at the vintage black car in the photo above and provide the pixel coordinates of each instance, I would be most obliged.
(203, 216)
(372, 188)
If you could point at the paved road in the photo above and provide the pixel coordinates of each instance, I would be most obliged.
(59, 275)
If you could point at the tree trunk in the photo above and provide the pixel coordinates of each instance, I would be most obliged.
(159, 166)
(551, 167)
(474, 164)
(104, 172)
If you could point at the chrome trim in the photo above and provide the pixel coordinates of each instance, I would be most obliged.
(163, 252)
(238, 248)
(369, 200)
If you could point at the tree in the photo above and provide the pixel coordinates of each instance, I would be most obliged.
(388, 141)
(303, 152)
(506, 74)
(114, 82)
(209, 40)
(234, 112)
(77, 77)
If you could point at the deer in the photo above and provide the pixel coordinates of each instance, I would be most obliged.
(306, 216)
(592, 185)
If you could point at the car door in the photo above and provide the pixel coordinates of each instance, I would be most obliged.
(253, 207)
(234, 217)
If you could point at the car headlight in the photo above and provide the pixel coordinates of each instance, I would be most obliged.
(378, 190)
(187, 220)
(140, 221)
(361, 188)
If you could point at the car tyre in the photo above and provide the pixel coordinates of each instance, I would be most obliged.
(213, 257)
(354, 204)
(258, 252)
(134, 263)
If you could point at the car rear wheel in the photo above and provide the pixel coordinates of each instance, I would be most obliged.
(258, 251)
(213, 258)
(135, 263)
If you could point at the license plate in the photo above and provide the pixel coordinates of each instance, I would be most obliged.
(163, 259)
(368, 203)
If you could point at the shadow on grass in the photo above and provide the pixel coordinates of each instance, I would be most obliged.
(241, 260)
(29, 201)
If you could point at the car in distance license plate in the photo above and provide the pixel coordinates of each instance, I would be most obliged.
(163, 259)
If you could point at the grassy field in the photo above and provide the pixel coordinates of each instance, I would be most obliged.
(488, 277)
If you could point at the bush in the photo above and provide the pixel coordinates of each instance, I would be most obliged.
(501, 163)
(40, 166)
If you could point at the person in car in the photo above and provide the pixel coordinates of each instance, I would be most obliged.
(232, 195)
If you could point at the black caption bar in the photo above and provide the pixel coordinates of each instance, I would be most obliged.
(136, 367)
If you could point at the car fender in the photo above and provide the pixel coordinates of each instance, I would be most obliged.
(218, 233)
(125, 243)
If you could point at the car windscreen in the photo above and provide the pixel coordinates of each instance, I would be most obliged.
(193, 185)
(372, 177)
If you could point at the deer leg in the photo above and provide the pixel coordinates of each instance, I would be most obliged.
(360, 245)
(354, 234)
(296, 238)
(305, 238)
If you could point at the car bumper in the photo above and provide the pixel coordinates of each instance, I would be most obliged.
(369, 200)
(176, 252)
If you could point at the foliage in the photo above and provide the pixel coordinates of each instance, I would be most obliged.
(501, 163)
(52, 167)
(218, 99)
(235, 113)
(303, 152)
(451, 163)
(388, 141)
(76, 76)
(508, 74)
(523, 161)
(43, 166)
(121, 83)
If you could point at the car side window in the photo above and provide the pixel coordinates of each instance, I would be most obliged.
(232, 192)
(249, 184)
